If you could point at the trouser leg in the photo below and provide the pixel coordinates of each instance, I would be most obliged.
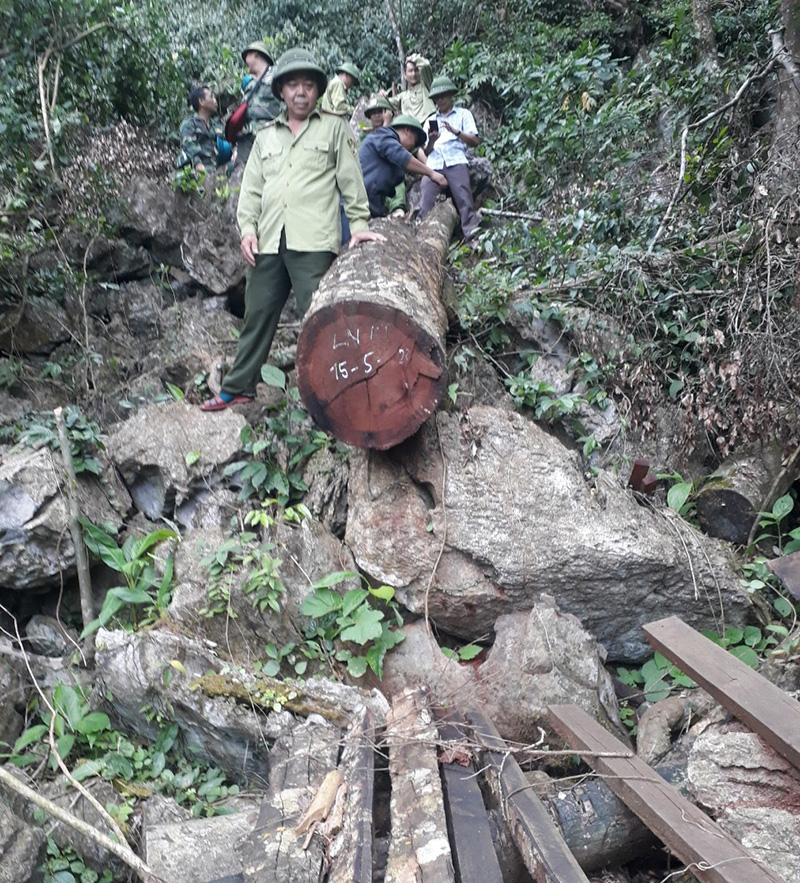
(429, 193)
(461, 190)
(306, 269)
(268, 287)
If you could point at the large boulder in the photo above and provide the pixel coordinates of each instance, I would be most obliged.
(544, 658)
(35, 543)
(167, 452)
(513, 516)
(35, 325)
(241, 627)
(22, 848)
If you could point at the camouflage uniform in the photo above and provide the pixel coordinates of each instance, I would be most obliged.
(262, 109)
(199, 142)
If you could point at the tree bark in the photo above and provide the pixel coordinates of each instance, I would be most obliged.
(371, 356)
(786, 46)
(704, 24)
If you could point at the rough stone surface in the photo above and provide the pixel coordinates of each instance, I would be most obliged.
(140, 305)
(544, 658)
(752, 792)
(35, 544)
(198, 850)
(38, 326)
(150, 451)
(521, 519)
(308, 552)
(48, 637)
(13, 690)
(21, 849)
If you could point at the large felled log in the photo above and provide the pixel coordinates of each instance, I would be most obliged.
(371, 358)
(731, 498)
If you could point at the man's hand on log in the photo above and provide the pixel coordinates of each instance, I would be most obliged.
(249, 247)
(365, 236)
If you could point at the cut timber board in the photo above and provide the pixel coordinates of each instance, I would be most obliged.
(710, 853)
(541, 846)
(474, 854)
(767, 710)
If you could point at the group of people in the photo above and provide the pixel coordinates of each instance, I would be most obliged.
(305, 176)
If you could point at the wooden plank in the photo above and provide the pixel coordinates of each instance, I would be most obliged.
(350, 849)
(710, 853)
(541, 846)
(474, 855)
(767, 710)
(419, 849)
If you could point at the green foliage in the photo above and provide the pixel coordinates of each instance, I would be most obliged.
(763, 584)
(90, 746)
(463, 654)
(65, 865)
(135, 560)
(657, 678)
(681, 495)
(85, 438)
(277, 450)
(10, 371)
(785, 541)
(351, 619)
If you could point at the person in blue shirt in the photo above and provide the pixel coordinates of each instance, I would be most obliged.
(387, 155)
(451, 130)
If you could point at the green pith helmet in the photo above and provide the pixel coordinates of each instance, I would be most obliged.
(261, 47)
(441, 86)
(379, 103)
(294, 61)
(406, 121)
(346, 68)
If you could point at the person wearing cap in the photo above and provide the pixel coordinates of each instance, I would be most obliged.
(415, 100)
(335, 98)
(301, 165)
(379, 112)
(262, 106)
(450, 132)
(202, 143)
(387, 155)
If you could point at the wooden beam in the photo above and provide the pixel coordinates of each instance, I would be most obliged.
(709, 852)
(474, 855)
(767, 710)
(541, 846)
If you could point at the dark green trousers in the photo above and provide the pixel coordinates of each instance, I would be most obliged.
(269, 284)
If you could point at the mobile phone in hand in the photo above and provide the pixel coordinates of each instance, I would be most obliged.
(433, 126)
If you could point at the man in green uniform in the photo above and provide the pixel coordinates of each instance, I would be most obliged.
(379, 112)
(414, 100)
(300, 167)
(335, 98)
(262, 106)
(199, 133)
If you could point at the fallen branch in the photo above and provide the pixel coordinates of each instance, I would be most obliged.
(81, 558)
(502, 213)
(122, 851)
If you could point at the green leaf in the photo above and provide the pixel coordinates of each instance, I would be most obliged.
(746, 654)
(782, 507)
(333, 579)
(733, 635)
(321, 603)
(752, 635)
(352, 600)
(89, 768)
(385, 593)
(68, 701)
(273, 376)
(272, 667)
(783, 607)
(357, 666)
(94, 722)
(32, 734)
(470, 651)
(367, 626)
(678, 494)
(64, 745)
(191, 458)
(158, 764)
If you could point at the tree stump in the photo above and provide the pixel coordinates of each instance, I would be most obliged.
(371, 357)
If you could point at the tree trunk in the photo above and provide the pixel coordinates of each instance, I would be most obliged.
(783, 153)
(704, 24)
(730, 500)
(371, 357)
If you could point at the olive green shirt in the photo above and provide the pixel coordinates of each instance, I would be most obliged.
(415, 100)
(294, 184)
(335, 98)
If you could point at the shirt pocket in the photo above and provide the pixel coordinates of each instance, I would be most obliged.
(271, 156)
(316, 155)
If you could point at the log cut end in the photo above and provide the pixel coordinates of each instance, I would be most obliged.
(368, 373)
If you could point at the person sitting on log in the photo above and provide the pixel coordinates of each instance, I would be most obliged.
(415, 100)
(387, 155)
(450, 132)
(301, 164)
(259, 105)
(202, 143)
(335, 98)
